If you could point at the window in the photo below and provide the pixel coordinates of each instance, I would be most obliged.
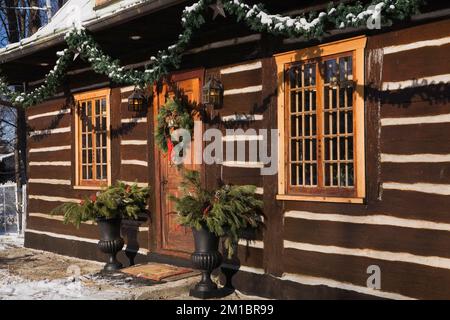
(321, 119)
(93, 140)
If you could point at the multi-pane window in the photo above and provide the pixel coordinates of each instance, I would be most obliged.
(323, 130)
(93, 140)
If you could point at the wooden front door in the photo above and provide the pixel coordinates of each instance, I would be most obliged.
(175, 239)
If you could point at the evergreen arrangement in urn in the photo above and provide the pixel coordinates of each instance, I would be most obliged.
(117, 201)
(224, 211)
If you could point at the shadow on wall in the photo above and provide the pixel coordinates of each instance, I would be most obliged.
(431, 92)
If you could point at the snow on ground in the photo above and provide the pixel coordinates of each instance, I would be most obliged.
(10, 241)
(16, 288)
(70, 286)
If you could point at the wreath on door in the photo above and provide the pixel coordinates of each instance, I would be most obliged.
(174, 114)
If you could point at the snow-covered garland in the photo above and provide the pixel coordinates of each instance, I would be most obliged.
(193, 17)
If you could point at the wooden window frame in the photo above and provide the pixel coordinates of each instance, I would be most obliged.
(355, 46)
(96, 184)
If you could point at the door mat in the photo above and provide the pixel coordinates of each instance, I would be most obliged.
(159, 272)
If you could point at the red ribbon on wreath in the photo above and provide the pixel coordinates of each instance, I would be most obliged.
(169, 148)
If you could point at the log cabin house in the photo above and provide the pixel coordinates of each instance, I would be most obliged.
(376, 198)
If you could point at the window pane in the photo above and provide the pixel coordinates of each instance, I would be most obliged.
(351, 182)
(98, 140)
(98, 172)
(97, 107)
(345, 68)
(104, 173)
(89, 172)
(294, 96)
(104, 106)
(331, 70)
(103, 123)
(89, 109)
(295, 77)
(350, 122)
(294, 150)
(97, 156)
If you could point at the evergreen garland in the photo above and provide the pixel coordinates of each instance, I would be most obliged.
(193, 17)
(225, 211)
(117, 201)
(175, 114)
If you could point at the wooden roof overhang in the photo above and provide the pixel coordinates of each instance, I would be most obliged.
(158, 25)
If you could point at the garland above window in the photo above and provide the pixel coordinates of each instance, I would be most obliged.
(313, 25)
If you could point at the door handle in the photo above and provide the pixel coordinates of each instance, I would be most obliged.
(164, 182)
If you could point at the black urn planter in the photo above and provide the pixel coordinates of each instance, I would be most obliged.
(110, 242)
(206, 258)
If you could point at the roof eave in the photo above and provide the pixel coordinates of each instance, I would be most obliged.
(93, 26)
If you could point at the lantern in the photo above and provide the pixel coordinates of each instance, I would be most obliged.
(137, 101)
(213, 93)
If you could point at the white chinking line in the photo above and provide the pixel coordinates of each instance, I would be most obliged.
(53, 199)
(415, 158)
(51, 163)
(431, 261)
(440, 189)
(50, 149)
(51, 181)
(414, 83)
(61, 218)
(243, 164)
(139, 184)
(243, 137)
(135, 162)
(249, 89)
(257, 244)
(318, 281)
(441, 118)
(75, 238)
(50, 131)
(259, 191)
(48, 114)
(134, 120)
(243, 117)
(127, 89)
(53, 217)
(133, 142)
(242, 68)
(416, 45)
(382, 220)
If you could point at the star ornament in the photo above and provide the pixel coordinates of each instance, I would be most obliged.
(218, 9)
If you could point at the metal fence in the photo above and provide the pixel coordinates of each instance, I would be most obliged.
(9, 209)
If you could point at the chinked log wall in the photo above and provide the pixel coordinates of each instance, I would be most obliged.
(51, 164)
(404, 226)
(307, 250)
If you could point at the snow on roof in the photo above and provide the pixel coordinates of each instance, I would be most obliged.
(73, 12)
(4, 156)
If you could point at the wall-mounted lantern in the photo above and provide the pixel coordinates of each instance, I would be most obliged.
(137, 101)
(212, 96)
